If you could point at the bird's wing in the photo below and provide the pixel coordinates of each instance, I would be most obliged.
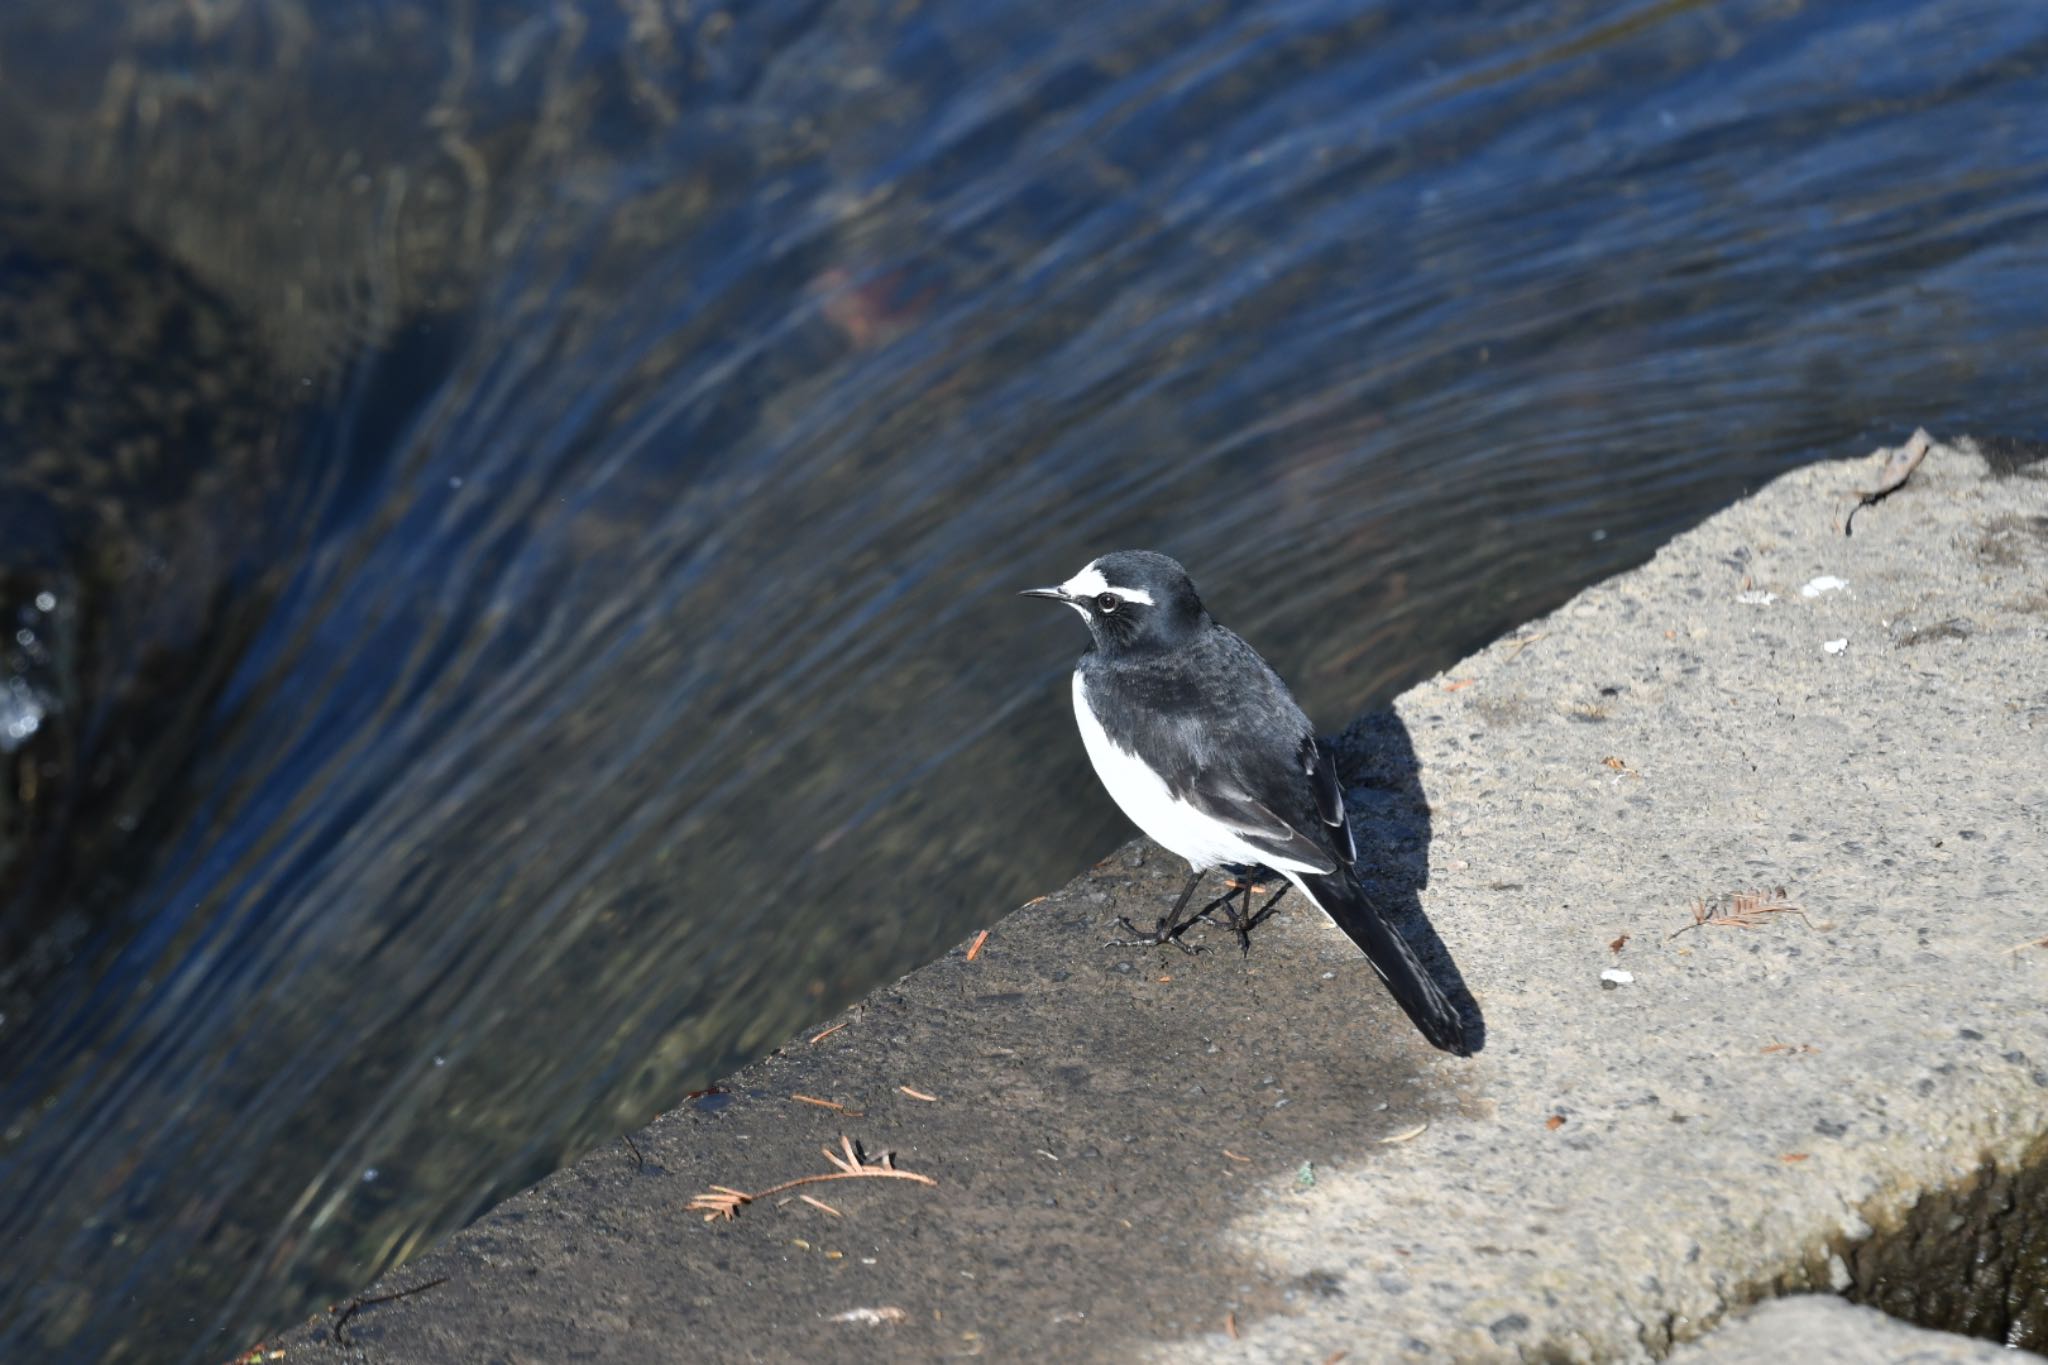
(1321, 766)
(1254, 821)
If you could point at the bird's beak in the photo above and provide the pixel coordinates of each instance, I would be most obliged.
(1056, 594)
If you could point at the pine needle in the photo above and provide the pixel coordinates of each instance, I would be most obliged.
(1739, 910)
(849, 1163)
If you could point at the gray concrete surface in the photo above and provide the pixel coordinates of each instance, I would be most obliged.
(1146, 1155)
(1819, 1329)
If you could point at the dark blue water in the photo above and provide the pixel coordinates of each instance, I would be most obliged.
(508, 514)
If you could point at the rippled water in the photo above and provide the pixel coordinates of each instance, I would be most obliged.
(508, 513)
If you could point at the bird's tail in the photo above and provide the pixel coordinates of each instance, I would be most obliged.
(1413, 988)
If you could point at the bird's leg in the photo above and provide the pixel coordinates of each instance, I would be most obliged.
(1171, 926)
(1250, 922)
(1248, 884)
(1231, 891)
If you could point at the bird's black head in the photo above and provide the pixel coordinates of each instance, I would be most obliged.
(1132, 600)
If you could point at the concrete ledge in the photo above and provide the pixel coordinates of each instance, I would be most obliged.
(1819, 1329)
(1142, 1154)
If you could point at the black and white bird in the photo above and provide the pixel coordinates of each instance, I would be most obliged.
(1203, 746)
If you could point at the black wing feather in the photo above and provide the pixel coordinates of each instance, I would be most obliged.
(1321, 767)
(1259, 826)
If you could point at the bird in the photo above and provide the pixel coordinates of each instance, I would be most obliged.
(1201, 744)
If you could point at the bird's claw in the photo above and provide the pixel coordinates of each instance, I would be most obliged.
(1160, 934)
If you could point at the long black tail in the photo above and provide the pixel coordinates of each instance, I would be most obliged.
(1413, 988)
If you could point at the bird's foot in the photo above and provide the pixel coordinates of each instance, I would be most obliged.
(1164, 932)
(1242, 924)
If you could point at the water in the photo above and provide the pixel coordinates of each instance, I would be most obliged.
(514, 508)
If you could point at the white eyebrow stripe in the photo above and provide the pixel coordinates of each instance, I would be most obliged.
(1090, 583)
(1087, 583)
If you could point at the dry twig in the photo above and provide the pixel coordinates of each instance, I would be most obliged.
(975, 951)
(722, 1201)
(355, 1306)
(822, 1034)
(1898, 468)
(1740, 910)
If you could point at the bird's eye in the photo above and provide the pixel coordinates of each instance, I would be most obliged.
(1108, 602)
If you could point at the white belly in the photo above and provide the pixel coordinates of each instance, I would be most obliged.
(1201, 839)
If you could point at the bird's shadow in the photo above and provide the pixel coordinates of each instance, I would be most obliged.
(1383, 793)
